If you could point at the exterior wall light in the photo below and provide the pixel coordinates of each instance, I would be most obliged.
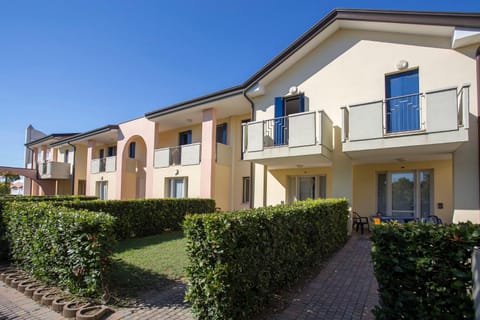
(402, 64)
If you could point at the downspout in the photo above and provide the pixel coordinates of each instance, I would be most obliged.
(73, 167)
(252, 176)
(478, 113)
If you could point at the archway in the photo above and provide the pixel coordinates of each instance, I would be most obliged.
(134, 168)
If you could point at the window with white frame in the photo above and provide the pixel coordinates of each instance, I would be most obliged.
(176, 187)
(306, 187)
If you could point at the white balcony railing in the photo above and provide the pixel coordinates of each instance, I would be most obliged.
(54, 170)
(429, 112)
(296, 130)
(185, 155)
(108, 164)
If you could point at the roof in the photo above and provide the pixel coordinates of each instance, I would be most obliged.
(458, 19)
(225, 93)
(84, 135)
(53, 136)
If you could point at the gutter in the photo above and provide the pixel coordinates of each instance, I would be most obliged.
(252, 175)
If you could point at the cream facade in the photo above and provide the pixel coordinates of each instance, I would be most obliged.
(379, 107)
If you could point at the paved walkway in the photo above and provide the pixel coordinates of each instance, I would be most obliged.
(345, 289)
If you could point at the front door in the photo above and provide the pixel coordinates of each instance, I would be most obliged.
(402, 102)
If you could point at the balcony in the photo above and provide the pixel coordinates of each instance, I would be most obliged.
(430, 122)
(280, 142)
(185, 155)
(54, 170)
(108, 164)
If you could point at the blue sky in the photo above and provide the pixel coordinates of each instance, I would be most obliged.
(72, 66)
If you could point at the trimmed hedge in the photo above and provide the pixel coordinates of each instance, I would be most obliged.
(424, 270)
(55, 244)
(140, 218)
(238, 260)
(7, 199)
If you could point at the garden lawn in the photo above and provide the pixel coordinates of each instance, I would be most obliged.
(150, 262)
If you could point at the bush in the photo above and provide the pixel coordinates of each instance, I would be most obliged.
(140, 218)
(237, 260)
(6, 199)
(424, 270)
(55, 244)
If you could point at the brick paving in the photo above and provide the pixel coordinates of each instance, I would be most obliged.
(345, 289)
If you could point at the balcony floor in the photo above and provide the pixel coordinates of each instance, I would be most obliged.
(289, 162)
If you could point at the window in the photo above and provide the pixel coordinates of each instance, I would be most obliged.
(402, 102)
(222, 133)
(405, 193)
(307, 187)
(185, 137)
(131, 150)
(102, 190)
(101, 153)
(82, 187)
(285, 106)
(65, 156)
(112, 151)
(176, 187)
(246, 190)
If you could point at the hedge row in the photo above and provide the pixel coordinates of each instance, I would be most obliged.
(424, 270)
(7, 199)
(140, 218)
(56, 244)
(237, 260)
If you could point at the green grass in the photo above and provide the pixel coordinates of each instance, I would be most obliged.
(144, 263)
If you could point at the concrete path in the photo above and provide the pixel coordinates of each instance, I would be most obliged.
(345, 289)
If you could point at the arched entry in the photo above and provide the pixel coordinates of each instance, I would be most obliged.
(134, 168)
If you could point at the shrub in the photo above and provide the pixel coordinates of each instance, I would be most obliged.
(424, 270)
(67, 246)
(6, 199)
(238, 259)
(140, 218)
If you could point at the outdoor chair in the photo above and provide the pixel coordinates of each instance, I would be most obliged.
(432, 219)
(359, 222)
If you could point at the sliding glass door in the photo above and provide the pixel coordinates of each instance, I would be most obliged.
(405, 194)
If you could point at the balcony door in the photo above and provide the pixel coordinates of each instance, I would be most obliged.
(405, 193)
(285, 106)
(402, 102)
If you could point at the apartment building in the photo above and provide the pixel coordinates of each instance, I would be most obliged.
(379, 107)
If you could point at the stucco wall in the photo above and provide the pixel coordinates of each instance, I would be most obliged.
(191, 172)
(365, 186)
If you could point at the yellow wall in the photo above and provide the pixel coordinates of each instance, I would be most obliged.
(222, 187)
(80, 165)
(191, 172)
(170, 138)
(104, 176)
(365, 188)
(277, 182)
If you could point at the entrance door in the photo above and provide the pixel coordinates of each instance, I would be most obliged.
(402, 102)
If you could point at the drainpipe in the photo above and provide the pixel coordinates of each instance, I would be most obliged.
(478, 112)
(73, 167)
(252, 176)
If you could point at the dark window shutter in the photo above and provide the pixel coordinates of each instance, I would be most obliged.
(279, 110)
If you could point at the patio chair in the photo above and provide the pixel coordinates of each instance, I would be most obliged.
(359, 222)
(432, 219)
